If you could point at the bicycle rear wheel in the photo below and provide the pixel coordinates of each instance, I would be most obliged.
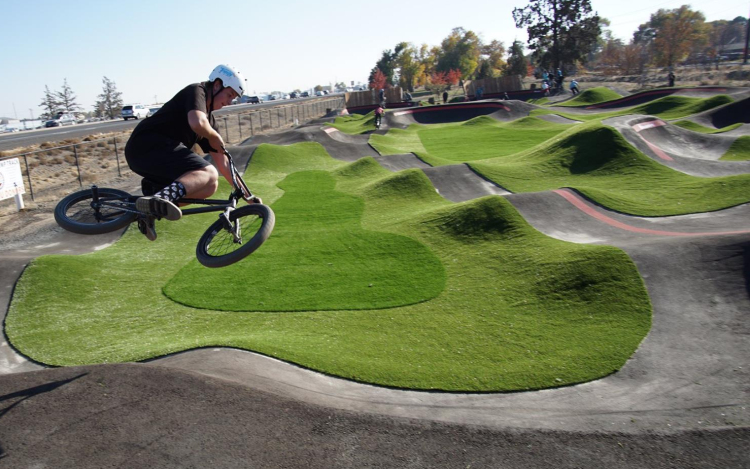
(218, 247)
(79, 213)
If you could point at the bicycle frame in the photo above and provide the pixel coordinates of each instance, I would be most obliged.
(213, 205)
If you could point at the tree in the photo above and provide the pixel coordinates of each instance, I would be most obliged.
(387, 64)
(672, 34)
(110, 100)
(492, 55)
(379, 81)
(566, 30)
(517, 63)
(681, 30)
(66, 99)
(49, 103)
(410, 67)
(453, 77)
(461, 50)
(438, 83)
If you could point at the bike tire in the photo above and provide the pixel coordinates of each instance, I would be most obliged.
(75, 213)
(217, 248)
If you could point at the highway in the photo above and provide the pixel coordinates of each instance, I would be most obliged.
(9, 141)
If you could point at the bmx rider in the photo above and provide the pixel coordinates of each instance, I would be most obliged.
(160, 147)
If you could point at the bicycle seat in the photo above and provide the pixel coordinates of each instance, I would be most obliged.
(149, 187)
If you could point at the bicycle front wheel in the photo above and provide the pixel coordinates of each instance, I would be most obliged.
(80, 213)
(219, 246)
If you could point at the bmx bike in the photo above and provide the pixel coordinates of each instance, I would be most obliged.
(235, 235)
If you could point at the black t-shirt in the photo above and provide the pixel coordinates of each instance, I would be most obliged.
(172, 119)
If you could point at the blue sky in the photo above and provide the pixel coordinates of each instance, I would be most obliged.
(152, 49)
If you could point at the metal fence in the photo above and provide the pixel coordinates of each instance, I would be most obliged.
(62, 167)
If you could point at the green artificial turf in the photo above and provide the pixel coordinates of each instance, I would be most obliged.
(539, 101)
(690, 125)
(592, 96)
(598, 162)
(515, 309)
(476, 139)
(739, 150)
(329, 262)
(355, 123)
(668, 107)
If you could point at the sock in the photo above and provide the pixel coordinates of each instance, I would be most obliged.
(172, 192)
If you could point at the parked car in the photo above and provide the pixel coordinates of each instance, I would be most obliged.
(294, 95)
(152, 111)
(134, 111)
(251, 99)
(61, 119)
(305, 94)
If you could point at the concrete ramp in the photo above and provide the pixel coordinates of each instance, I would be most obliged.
(723, 116)
(680, 149)
(459, 183)
(459, 112)
(648, 96)
(401, 162)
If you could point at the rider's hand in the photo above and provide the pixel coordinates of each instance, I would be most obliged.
(253, 199)
(216, 142)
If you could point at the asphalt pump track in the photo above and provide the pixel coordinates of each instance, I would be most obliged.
(680, 401)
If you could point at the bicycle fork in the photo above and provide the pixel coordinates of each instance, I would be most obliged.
(234, 228)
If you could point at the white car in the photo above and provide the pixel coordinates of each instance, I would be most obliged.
(134, 111)
(61, 119)
(152, 111)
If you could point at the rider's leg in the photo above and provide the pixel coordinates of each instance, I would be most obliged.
(200, 183)
(196, 184)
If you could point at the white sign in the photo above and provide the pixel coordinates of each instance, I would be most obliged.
(11, 179)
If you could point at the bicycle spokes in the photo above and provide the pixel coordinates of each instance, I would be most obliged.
(229, 239)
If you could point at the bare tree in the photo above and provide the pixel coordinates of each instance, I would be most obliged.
(110, 100)
(66, 99)
(49, 104)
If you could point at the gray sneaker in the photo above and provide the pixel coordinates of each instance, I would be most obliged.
(158, 207)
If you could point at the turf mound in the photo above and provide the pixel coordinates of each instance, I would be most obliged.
(739, 151)
(329, 262)
(355, 123)
(728, 115)
(495, 305)
(598, 161)
(592, 96)
(695, 127)
(476, 139)
(670, 107)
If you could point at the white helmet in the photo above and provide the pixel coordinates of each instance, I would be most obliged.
(229, 77)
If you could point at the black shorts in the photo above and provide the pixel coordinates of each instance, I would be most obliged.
(161, 159)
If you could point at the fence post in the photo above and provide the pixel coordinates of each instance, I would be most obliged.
(226, 129)
(239, 125)
(261, 121)
(28, 175)
(117, 157)
(75, 154)
(252, 133)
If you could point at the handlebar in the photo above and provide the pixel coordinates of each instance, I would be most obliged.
(240, 187)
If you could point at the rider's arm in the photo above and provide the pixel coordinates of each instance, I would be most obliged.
(198, 121)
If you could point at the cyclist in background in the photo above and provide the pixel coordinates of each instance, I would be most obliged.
(379, 112)
(161, 147)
